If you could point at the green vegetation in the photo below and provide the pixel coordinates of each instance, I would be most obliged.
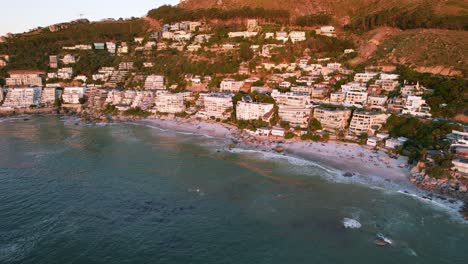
(137, 111)
(170, 14)
(110, 109)
(420, 17)
(31, 50)
(312, 20)
(251, 124)
(314, 125)
(449, 96)
(421, 135)
(289, 135)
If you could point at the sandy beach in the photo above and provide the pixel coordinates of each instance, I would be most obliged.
(359, 160)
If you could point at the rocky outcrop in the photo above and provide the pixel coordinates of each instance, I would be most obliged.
(452, 188)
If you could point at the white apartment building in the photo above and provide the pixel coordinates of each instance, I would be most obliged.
(254, 111)
(393, 143)
(334, 66)
(169, 103)
(327, 30)
(182, 36)
(387, 85)
(302, 89)
(68, 59)
(217, 106)
(252, 24)
(282, 36)
(53, 61)
(290, 98)
(111, 47)
(143, 99)
(337, 98)
(242, 34)
(389, 76)
(365, 77)
(296, 116)
(332, 119)
(367, 122)
(154, 82)
(353, 97)
(24, 79)
(377, 100)
(231, 86)
(65, 73)
(353, 86)
(416, 106)
(72, 95)
(22, 97)
(297, 36)
(49, 95)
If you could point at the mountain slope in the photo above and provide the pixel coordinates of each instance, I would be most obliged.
(338, 8)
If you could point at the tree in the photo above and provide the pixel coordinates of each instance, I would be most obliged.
(314, 125)
(245, 52)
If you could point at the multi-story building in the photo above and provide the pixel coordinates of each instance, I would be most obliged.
(364, 77)
(49, 95)
(353, 86)
(72, 95)
(53, 61)
(68, 59)
(111, 47)
(253, 111)
(65, 73)
(367, 122)
(387, 85)
(154, 82)
(377, 100)
(332, 119)
(126, 66)
(416, 106)
(166, 102)
(144, 100)
(24, 78)
(22, 97)
(337, 98)
(217, 106)
(354, 97)
(290, 98)
(252, 24)
(231, 86)
(242, 34)
(374, 89)
(296, 116)
(297, 36)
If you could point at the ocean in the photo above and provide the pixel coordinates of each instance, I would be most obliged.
(131, 193)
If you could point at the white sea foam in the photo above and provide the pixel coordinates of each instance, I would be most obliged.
(351, 223)
(384, 238)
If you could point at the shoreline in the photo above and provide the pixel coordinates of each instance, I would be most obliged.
(353, 163)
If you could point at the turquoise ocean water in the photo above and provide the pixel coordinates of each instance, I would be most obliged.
(129, 193)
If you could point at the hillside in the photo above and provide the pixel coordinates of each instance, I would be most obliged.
(438, 51)
(31, 50)
(340, 9)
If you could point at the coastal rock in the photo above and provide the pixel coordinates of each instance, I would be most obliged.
(279, 149)
(348, 174)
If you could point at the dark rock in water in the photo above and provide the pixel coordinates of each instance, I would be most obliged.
(348, 174)
(387, 180)
(279, 149)
(441, 197)
(452, 201)
(231, 146)
(381, 242)
(26, 119)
